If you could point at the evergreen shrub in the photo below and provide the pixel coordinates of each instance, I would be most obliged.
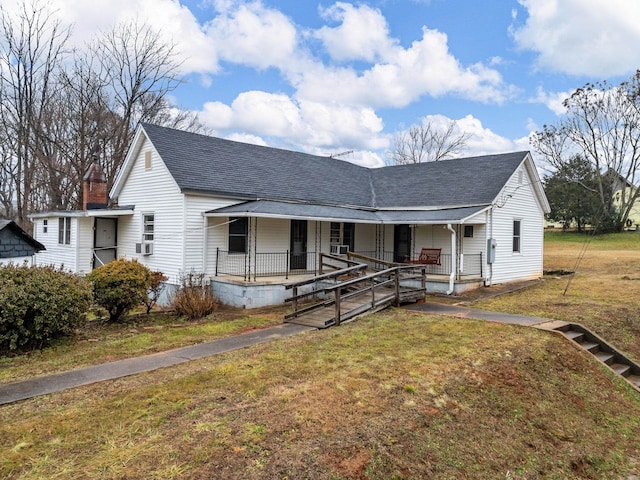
(119, 286)
(39, 304)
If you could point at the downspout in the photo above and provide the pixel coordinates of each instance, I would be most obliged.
(452, 275)
(489, 280)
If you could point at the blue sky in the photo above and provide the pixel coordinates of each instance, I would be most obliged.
(327, 77)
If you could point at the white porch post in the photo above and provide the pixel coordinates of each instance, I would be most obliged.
(452, 275)
(205, 242)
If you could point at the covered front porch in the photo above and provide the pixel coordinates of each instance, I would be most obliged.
(257, 248)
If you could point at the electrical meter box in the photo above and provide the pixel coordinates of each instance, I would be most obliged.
(491, 250)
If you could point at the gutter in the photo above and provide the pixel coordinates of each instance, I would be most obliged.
(452, 275)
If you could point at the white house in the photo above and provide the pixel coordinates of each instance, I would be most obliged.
(252, 217)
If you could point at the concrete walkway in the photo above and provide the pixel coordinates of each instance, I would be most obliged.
(16, 391)
(476, 314)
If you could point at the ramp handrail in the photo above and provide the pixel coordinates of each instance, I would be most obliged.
(369, 283)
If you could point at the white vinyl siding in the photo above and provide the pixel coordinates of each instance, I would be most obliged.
(71, 256)
(153, 191)
(274, 235)
(201, 230)
(84, 238)
(518, 202)
(365, 237)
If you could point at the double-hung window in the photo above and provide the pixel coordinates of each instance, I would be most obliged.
(64, 230)
(342, 234)
(238, 234)
(148, 227)
(516, 236)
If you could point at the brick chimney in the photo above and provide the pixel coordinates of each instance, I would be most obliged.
(94, 187)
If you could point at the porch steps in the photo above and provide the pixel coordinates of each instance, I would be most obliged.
(601, 350)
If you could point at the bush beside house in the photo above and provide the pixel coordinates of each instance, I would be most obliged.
(119, 286)
(39, 304)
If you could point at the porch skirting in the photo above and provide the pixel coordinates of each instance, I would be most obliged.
(237, 293)
(441, 286)
(241, 294)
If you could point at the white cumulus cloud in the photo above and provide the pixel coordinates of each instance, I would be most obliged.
(363, 33)
(582, 37)
(319, 128)
(253, 35)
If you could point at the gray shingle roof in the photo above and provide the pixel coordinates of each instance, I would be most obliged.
(15, 242)
(213, 165)
(200, 163)
(464, 181)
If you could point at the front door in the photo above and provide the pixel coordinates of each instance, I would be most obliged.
(104, 241)
(298, 245)
(401, 243)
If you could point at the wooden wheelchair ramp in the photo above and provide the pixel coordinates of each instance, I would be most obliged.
(341, 295)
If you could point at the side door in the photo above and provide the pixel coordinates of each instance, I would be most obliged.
(401, 243)
(105, 246)
(298, 250)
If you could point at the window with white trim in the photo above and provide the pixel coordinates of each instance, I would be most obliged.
(64, 231)
(342, 233)
(238, 234)
(468, 231)
(517, 226)
(148, 227)
(45, 225)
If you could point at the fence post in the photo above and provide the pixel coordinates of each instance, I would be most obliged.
(286, 273)
(337, 306)
(295, 301)
(319, 263)
(423, 280)
(217, 259)
(397, 285)
(373, 293)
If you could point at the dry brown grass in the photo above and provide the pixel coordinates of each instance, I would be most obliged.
(396, 395)
(603, 294)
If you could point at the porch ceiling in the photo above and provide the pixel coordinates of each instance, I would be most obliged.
(329, 213)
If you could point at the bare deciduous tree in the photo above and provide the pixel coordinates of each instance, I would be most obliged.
(602, 124)
(139, 69)
(59, 111)
(427, 143)
(32, 47)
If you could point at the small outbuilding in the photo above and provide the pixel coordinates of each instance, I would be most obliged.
(16, 245)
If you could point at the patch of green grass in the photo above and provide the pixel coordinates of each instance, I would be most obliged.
(630, 239)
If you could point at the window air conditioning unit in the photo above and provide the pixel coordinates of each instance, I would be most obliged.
(339, 249)
(144, 248)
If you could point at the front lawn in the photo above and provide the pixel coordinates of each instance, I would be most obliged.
(394, 395)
